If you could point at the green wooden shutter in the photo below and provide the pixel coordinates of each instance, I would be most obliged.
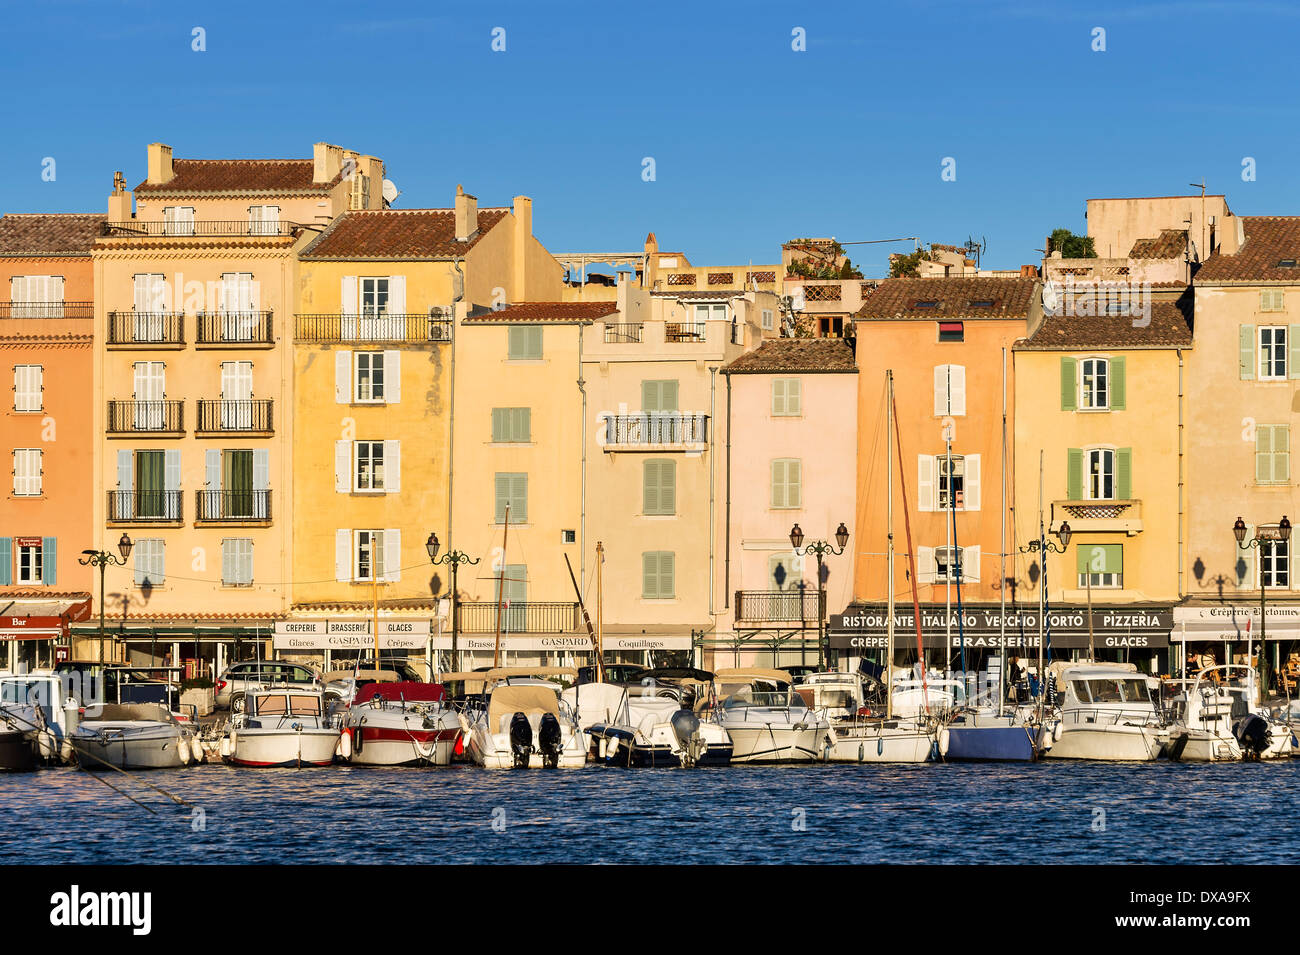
(1074, 474)
(1118, 383)
(667, 575)
(1264, 454)
(519, 495)
(1069, 388)
(650, 575)
(669, 399)
(1246, 352)
(1100, 559)
(6, 560)
(1124, 474)
(650, 487)
(523, 424)
(499, 424)
(49, 560)
(1282, 453)
(668, 487)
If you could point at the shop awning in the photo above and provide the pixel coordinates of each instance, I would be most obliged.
(40, 618)
(1235, 622)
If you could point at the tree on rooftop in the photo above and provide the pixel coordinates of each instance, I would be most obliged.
(1071, 246)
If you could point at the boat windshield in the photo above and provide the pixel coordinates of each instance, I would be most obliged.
(288, 705)
(759, 698)
(1113, 691)
(25, 692)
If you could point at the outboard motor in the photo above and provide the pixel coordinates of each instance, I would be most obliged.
(521, 740)
(550, 740)
(1252, 733)
(686, 727)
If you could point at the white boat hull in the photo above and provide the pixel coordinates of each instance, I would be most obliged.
(1117, 743)
(131, 746)
(389, 737)
(865, 744)
(492, 751)
(1198, 746)
(771, 743)
(283, 747)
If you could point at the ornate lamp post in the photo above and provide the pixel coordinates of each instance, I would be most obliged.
(1044, 546)
(820, 548)
(453, 558)
(101, 559)
(1284, 535)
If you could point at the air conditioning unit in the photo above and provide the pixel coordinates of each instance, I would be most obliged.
(439, 332)
(440, 318)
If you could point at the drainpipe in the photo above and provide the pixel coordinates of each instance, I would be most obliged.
(713, 472)
(459, 285)
(582, 436)
(726, 557)
(1182, 557)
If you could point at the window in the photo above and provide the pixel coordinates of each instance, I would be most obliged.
(36, 296)
(1272, 352)
(1272, 454)
(27, 472)
(369, 556)
(716, 312)
(511, 492)
(263, 220)
(370, 376)
(149, 557)
(510, 588)
(1100, 474)
(512, 425)
(787, 482)
(178, 220)
(374, 296)
(787, 397)
(1271, 300)
(767, 320)
(952, 331)
(1274, 558)
(954, 482)
(657, 575)
(28, 387)
(369, 469)
(237, 562)
(949, 390)
(659, 487)
(933, 481)
(525, 343)
(1094, 384)
(359, 196)
(949, 566)
(1100, 565)
(28, 558)
(659, 395)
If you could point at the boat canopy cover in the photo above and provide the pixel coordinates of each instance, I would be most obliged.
(1082, 671)
(363, 676)
(503, 673)
(747, 674)
(122, 712)
(597, 702)
(529, 700)
(404, 690)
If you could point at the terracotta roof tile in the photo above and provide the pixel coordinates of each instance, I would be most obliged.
(1269, 240)
(273, 176)
(49, 234)
(398, 234)
(950, 298)
(803, 355)
(559, 313)
(1170, 326)
(1170, 244)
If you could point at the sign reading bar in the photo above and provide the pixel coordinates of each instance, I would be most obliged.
(350, 635)
(31, 628)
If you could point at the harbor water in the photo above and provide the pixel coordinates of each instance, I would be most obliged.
(1239, 813)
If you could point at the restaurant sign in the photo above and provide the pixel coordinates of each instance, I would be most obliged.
(560, 642)
(32, 628)
(350, 635)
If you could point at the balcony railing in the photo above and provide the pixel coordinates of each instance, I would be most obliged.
(146, 417)
(684, 331)
(334, 327)
(234, 328)
(779, 606)
(656, 428)
(146, 329)
(225, 416)
(47, 309)
(242, 506)
(622, 332)
(520, 616)
(144, 507)
(211, 228)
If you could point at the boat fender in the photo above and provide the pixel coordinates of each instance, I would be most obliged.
(943, 741)
(183, 750)
(880, 746)
(1056, 733)
(345, 743)
(862, 752)
(66, 753)
(196, 748)
(45, 744)
(227, 745)
(358, 737)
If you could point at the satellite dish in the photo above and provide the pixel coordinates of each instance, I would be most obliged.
(390, 192)
(796, 298)
(1051, 298)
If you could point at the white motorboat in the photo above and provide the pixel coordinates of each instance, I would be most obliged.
(934, 696)
(522, 723)
(1200, 729)
(1261, 733)
(400, 724)
(131, 736)
(859, 733)
(769, 722)
(282, 726)
(1108, 713)
(637, 726)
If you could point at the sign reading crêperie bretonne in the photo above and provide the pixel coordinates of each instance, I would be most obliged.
(349, 635)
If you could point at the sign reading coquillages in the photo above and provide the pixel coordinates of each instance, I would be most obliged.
(350, 635)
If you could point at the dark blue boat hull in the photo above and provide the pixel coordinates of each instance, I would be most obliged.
(967, 744)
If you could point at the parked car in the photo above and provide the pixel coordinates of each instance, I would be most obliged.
(239, 678)
(403, 669)
(614, 673)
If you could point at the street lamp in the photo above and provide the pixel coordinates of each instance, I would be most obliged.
(453, 558)
(820, 549)
(1284, 535)
(101, 559)
(1043, 546)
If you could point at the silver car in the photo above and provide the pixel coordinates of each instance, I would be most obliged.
(251, 674)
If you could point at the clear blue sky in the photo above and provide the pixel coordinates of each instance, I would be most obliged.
(753, 143)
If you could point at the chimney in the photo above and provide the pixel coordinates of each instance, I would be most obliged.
(160, 164)
(119, 203)
(522, 234)
(374, 169)
(327, 162)
(466, 215)
(651, 274)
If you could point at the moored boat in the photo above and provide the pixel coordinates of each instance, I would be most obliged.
(1108, 713)
(768, 721)
(132, 736)
(282, 726)
(520, 722)
(400, 724)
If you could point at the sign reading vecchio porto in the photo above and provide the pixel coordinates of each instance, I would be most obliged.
(863, 627)
(350, 635)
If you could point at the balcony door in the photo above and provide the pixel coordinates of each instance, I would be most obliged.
(150, 304)
(149, 409)
(150, 485)
(513, 596)
(237, 485)
(236, 395)
(238, 307)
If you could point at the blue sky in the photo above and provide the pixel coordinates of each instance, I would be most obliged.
(753, 142)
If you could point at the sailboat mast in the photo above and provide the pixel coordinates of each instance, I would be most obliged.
(911, 560)
(501, 589)
(600, 613)
(1042, 597)
(1002, 547)
(889, 575)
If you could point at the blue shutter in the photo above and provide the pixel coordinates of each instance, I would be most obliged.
(6, 560)
(50, 561)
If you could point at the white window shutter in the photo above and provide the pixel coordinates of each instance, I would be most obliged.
(342, 555)
(794, 397)
(925, 565)
(392, 376)
(940, 390)
(343, 466)
(971, 484)
(348, 302)
(392, 466)
(18, 289)
(957, 383)
(212, 468)
(397, 295)
(970, 562)
(925, 482)
(778, 396)
(343, 377)
(56, 289)
(392, 554)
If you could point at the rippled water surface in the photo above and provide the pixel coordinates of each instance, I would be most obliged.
(1049, 812)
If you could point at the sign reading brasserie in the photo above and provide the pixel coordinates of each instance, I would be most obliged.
(350, 635)
(863, 627)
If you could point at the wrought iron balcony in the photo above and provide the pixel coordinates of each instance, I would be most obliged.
(158, 418)
(232, 507)
(187, 229)
(144, 507)
(146, 330)
(228, 416)
(616, 333)
(788, 607)
(655, 430)
(519, 616)
(326, 328)
(47, 310)
(234, 328)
